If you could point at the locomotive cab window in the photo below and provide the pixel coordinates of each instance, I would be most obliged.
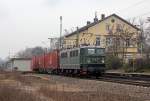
(91, 51)
(100, 51)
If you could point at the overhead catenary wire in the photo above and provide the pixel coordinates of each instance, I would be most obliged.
(143, 14)
(133, 5)
(140, 15)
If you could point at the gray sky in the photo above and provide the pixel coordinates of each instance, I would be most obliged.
(26, 23)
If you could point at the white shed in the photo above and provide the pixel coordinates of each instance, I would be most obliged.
(20, 64)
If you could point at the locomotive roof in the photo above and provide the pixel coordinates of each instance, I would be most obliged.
(77, 48)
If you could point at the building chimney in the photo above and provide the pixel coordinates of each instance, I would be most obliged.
(88, 22)
(102, 16)
(95, 19)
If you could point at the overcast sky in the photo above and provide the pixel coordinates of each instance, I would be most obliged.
(27, 23)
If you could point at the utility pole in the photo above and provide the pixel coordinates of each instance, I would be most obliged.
(60, 31)
(141, 41)
(148, 19)
(45, 48)
(50, 43)
(9, 54)
(77, 43)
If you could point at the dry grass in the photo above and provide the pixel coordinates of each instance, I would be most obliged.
(12, 88)
(8, 93)
(58, 95)
(29, 88)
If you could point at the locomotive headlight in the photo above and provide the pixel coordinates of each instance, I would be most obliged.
(103, 60)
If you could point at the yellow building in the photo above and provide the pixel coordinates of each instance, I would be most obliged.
(111, 32)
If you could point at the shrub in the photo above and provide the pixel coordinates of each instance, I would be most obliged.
(147, 63)
(127, 67)
(113, 62)
(137, 65)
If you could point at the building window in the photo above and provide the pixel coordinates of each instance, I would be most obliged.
(98, 41)
(64, 42)
(118, 41)
(107, 27)
(119, 28)
(127, 42)
(108, 41)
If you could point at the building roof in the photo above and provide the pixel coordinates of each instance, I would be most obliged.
(94, 23)
(12, 59)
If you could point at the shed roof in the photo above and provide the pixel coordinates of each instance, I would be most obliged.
(12, 59)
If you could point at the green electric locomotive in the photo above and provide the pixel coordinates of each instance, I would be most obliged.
(85, 60)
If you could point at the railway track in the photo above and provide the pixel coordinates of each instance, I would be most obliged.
(131, 79)
(126, 81)
(128, 76)
(137, 80)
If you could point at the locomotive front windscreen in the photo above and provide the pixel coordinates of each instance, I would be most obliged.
(98, 51)
(93, 56)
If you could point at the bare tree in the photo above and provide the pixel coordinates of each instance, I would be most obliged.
(141, 38)
(146, 41)
(144, 36)
(132, 21)
(128, 39)
(2, 64)
(29, 52)
(122, 39)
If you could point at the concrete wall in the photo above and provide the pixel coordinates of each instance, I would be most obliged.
(22, 65)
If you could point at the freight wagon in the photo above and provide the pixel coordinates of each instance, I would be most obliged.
(46, 63)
